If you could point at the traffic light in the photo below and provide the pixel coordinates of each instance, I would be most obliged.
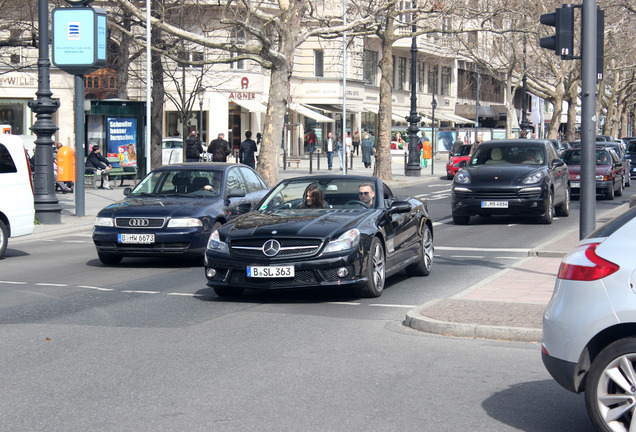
(562, 43)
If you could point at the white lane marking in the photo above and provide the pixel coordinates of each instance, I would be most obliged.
(345, 303)
(510, 257)
(482, 249)
(467, 256)
(393, 305)
(140, 292)
(184, 294)
(50, 284)
(96, 288)
(13, 283)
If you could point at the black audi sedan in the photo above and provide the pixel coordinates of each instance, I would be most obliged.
(518, 177)
(174, 209)
(320, 231)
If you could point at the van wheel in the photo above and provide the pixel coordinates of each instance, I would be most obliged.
(4, 238)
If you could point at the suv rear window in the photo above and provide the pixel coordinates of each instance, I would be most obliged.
(6, 161)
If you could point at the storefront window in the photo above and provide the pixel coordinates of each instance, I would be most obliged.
(13, 113)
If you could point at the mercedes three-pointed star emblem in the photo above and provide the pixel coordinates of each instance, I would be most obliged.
(271, 248)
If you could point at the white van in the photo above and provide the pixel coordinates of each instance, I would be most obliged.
(17, 212)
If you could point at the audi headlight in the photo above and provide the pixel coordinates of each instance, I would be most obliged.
(104, 222)
(184, 223)
(534, 178)
(462, 177)
(216, 244)
(348, 240)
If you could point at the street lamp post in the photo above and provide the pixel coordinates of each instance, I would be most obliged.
(413, 168)
(47, 207)
(524, 99)
(200, 93)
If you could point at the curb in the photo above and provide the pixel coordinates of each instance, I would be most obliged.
(418, 321)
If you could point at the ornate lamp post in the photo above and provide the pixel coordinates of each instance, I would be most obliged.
(47, 207)
(413, 168)
(524, 125)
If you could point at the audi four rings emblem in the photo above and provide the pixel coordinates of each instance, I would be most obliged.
(138, 222)
(271, 248)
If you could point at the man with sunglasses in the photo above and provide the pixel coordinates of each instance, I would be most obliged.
(366, 194)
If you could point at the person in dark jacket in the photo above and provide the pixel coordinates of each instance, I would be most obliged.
(247, 150)
(220, 149)
(367, 150)
(100, 164)
(194, 148)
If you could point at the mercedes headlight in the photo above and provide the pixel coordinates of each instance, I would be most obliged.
(348, 240)
(216, 244)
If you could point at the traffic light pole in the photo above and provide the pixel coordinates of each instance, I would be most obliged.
(588, 117)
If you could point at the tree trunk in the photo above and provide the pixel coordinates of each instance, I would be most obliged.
(274, 118)
(383, 159)
(123, 62)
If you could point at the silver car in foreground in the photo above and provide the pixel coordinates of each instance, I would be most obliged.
(589, 326)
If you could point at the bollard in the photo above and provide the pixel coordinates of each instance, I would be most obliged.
(284, 161)
(318, 162)
(311, 160)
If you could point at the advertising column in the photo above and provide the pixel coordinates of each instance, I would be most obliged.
(121, 139)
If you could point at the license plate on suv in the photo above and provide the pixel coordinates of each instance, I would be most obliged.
(494, 204)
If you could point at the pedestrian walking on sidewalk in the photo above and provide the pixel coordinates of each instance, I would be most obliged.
(193, 147)
(219, 148)
(330, 146)
(247, 150)
(367, 150)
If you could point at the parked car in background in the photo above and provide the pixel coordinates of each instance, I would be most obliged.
(322, 231)
(560, 146)
(454, 159)
(609, 171)
(589, 325)
(630, 144)
(171, 150)
(17, 212)
(621, 151)
(174, 209)
(519, 177)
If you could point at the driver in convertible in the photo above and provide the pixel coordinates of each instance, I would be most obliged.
(313, 198)
(367, 194)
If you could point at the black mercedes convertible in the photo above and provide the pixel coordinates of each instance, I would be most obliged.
(320, 231)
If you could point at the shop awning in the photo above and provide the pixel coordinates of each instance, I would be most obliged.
(468, 111)
(251, 105)
(334, 108)
(458, 119)
(303, 110)
(400, 116)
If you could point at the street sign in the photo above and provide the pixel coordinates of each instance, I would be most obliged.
(79, 39)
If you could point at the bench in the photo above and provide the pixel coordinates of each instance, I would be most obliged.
(293, 159)
(121, 173)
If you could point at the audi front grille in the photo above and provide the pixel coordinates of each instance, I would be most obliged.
(139, 222)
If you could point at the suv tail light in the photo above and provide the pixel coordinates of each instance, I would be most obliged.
(583, 264)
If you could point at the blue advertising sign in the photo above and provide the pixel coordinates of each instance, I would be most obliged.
(79, 39)
(121, 139)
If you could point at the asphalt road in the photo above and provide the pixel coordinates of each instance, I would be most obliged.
(146, 346)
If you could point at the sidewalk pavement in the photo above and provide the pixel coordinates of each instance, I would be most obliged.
(509, 305)
(96, 199)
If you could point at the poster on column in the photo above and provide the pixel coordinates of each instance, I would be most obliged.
(121, 139)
